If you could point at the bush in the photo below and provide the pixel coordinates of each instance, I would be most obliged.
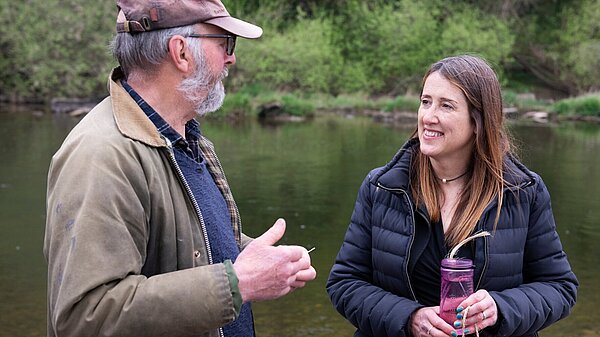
(585, 105)
(390, 46)
(55, 48)
(349, 102)
(468, 30)
(296, 106)
(249, 101)
(301, 58)
(509, 98)
(339, 47)
(403, 103)
(235, 103)
(578, 46)
(558, 43)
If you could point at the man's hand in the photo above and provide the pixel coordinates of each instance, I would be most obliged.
(267, 272)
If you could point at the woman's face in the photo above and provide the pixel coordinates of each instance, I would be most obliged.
(446, 130)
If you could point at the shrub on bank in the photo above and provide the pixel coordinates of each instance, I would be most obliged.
(357, 101)
(403, 103)
(254, 99)
(239, 103)
(296, 106)
(524, 102)
(251, 102)
(588, 105)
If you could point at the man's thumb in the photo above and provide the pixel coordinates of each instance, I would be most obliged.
(273, 234)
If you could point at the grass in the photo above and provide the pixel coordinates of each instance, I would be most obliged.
(403, 103)
(343, 102)
(587, 105)
(251, 100)
(523, 101)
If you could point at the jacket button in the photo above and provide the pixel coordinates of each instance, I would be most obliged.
(197, 253)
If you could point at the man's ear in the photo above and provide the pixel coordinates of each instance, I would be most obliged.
(179, 54)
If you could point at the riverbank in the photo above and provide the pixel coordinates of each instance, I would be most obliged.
(402, 119)
(398, 110)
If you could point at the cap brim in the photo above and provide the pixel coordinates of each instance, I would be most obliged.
(237, 27)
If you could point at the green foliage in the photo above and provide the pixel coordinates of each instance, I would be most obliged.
(523, 102)
(302, 58)
(529, 104)
(285, 13)
(403, 103)
(296, 106)
(588, 105)
(349, 102)
(250, 100)
(509, 98)
(55, 48)
(469, 31)
(558, 42)
(394, 44)
(236, 103)
(579, 46)
(388, 47)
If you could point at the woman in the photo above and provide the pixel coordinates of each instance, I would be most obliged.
(455, 177)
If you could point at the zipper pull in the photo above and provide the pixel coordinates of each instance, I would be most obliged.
(169, 144)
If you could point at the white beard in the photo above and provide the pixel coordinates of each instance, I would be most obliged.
(201, 82)
(214, 99)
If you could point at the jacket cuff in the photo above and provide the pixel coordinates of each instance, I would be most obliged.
(233, 285)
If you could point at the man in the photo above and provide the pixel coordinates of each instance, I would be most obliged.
(143, 237)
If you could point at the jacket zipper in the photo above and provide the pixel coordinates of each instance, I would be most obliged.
(485, 262)
(485, 238)
(485, 247)
(412, 238)
(196, 208)
(194, 202)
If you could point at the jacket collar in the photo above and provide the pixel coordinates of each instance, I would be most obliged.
(396, 173)
(130, 119)
(516, 174)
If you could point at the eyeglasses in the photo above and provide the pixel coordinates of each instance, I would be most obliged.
(230, 40)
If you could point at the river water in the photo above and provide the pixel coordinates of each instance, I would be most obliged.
(309, 174)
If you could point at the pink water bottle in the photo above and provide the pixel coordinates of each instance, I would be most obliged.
(457, 284)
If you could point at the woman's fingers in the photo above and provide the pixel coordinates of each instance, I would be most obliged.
(482, 311)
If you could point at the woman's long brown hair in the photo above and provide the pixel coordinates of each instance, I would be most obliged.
(485, 183)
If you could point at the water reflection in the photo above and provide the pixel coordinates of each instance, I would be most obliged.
(566, 158)
(308, 173)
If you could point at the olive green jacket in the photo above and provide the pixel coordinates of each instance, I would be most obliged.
(125, 242)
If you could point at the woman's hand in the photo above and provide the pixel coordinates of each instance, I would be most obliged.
(483, 311)
(426, 322)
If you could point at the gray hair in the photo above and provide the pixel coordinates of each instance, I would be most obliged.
(145, 51)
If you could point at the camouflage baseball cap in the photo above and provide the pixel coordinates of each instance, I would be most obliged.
(142, 15)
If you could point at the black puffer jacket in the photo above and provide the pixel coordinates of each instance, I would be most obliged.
(522, 265)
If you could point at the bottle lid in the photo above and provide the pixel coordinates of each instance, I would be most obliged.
(457, 263)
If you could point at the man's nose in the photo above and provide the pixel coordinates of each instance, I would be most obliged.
(230, 59)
